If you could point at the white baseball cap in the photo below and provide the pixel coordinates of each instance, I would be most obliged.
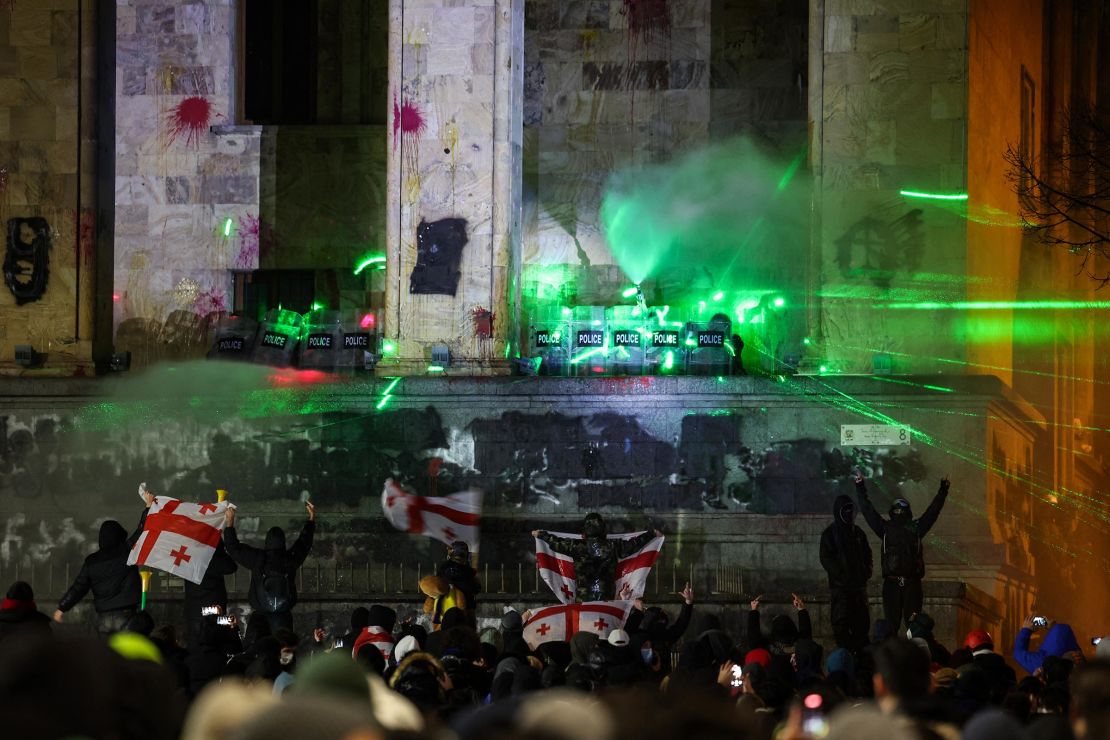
(618, 638)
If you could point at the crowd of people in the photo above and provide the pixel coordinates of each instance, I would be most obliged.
(442, 672)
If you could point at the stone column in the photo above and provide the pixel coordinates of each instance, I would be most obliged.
(454, 165)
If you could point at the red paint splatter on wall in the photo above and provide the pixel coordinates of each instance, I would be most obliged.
(647, 19)
(86, 237)
(191, 117)
(483, 322)
(407, 118)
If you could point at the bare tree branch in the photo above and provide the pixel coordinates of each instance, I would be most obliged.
(1065, 196)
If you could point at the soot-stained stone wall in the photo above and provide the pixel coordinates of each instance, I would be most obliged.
(741, 472)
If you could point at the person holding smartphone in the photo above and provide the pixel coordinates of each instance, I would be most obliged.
(1059, 641)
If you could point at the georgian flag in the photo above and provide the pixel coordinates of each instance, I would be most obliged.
(560, 623)
(179, 538)
(557, 570)
(377, 637)
(444, 518)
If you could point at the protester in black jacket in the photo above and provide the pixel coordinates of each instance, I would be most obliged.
(210, 592)
(846, 558)
(654, 624)
(903, 556)
(116, 588)
(784, 633)
(273, 589)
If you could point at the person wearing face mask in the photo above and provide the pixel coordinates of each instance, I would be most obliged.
(595, 556)
(903, 556)
(846, 558)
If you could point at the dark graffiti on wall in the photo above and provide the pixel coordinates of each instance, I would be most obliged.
(26, 258)
(531, 465)
(439, 247)
(877, 250)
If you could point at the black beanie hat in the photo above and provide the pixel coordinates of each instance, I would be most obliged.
(382, 616)
(21, 591)
(360, 617)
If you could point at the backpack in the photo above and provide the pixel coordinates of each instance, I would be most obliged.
(903, 556)
(274, 589)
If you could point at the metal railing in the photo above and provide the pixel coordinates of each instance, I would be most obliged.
(329, 580)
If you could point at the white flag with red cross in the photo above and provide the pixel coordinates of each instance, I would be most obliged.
(557, 569)
(560, 623)
(457, 516)
(179, 538)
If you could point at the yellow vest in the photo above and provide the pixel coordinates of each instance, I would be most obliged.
(452, 599)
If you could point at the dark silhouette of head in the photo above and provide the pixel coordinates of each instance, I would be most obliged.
(594, 526)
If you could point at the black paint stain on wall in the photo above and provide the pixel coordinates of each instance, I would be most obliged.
(439, 247)
(527, 463)
(26, 258)
(878, 250)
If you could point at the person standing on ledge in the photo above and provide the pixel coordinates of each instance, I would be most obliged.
(273, 589)
(595, 556)
(846, 558)
(903, 556)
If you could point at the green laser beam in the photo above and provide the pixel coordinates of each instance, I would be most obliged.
(886, 379)
(932, 196)
(994, 305)
(588, 354)
(389, 388)
(227, 227)
(382, 403)
(369, 261)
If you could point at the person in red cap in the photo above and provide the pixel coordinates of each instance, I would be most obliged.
(1000, 676)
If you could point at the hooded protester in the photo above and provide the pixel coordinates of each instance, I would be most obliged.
(595, 556)
(210, 592)
(903, 556)
(360, 617)
(273, 589)
(921, 626)
(655, 625)
(1059, 641)
(457, 571)
(784, 633)
(115, 585)
(378, 631)
(846, 558)
(19, 615)
(806, 662)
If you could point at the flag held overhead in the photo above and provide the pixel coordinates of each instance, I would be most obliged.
(557, 569)
(179, 538)
(445, 518)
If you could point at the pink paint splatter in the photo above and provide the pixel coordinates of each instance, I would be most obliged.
(210, 301)
(407, 118)
(250, 227)
(191, 117)
(647, 19)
